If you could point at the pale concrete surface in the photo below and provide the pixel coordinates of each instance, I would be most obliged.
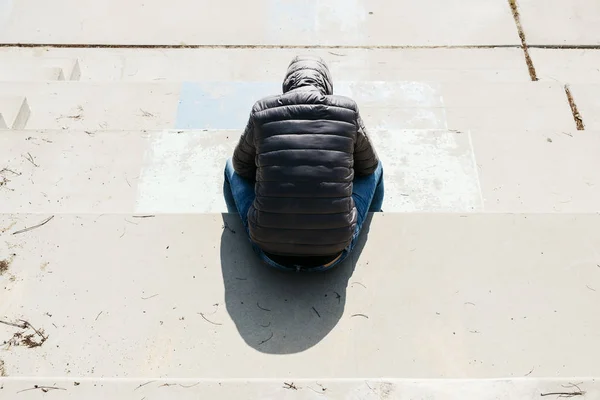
(170, 294)
(38, 69)
(588, 102)
(225, 105)
(507, 106)
(181, 171)
(567, 66)
(274, 22)
(455, 296)
(14, 112)
(276, 389)
(547, 171)
(12, 72)
(256, 64)
(89, 106)
(559, 22)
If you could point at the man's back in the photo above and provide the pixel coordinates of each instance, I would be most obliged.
(303, 148)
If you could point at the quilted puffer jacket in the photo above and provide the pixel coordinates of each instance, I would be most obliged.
(303, 149)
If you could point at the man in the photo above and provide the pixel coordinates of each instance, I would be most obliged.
(304, 174)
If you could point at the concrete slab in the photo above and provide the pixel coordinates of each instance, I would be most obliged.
(275, 22)
(588, 103)
(19, 73)
(538, 172)
(92, 106)
(383, 104)
(18, 69)
(14, 112)
(481, 296)
(371, 389)
(225, 105)
(256, 64)
(181, 171)
(556, 22)
(567, 66)
(530, 106)
(396, 105)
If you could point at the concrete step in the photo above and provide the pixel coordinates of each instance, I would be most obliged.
(176, 171)
(567, 65)
(38, 69)
(225, 105)
(588, 104)
(14, 112)
(259, 64)
(428, 296)
(275, 22)
(572, 23)
(371, 389)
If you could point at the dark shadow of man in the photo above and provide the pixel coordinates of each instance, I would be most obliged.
(277, 312)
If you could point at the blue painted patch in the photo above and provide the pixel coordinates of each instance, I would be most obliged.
(290, 17)
(220, 105)
(227, 105)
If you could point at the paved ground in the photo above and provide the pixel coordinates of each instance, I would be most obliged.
(121, 276)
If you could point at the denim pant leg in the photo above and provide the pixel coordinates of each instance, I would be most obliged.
(368, 192)
(238, 192)
(368, 196)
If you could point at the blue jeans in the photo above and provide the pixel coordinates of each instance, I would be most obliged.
(367, 193)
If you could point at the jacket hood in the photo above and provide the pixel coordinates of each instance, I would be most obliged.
(307, 71)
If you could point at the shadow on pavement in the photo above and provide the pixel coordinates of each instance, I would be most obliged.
(277, 312)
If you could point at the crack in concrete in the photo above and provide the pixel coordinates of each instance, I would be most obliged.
(515, 11)
(576, 115)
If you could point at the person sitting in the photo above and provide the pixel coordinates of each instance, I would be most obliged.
(304, 173)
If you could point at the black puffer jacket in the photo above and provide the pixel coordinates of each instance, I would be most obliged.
(303, 148)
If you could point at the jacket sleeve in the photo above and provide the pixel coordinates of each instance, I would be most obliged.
(245, 152)
(365, 156)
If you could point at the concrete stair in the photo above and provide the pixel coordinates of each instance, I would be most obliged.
(261, 64)
(372, 389)
(14, 112)
(181, 296)
(40, 69)
(478, 282)
(175, 171)
(225, 105)
(275, 23)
